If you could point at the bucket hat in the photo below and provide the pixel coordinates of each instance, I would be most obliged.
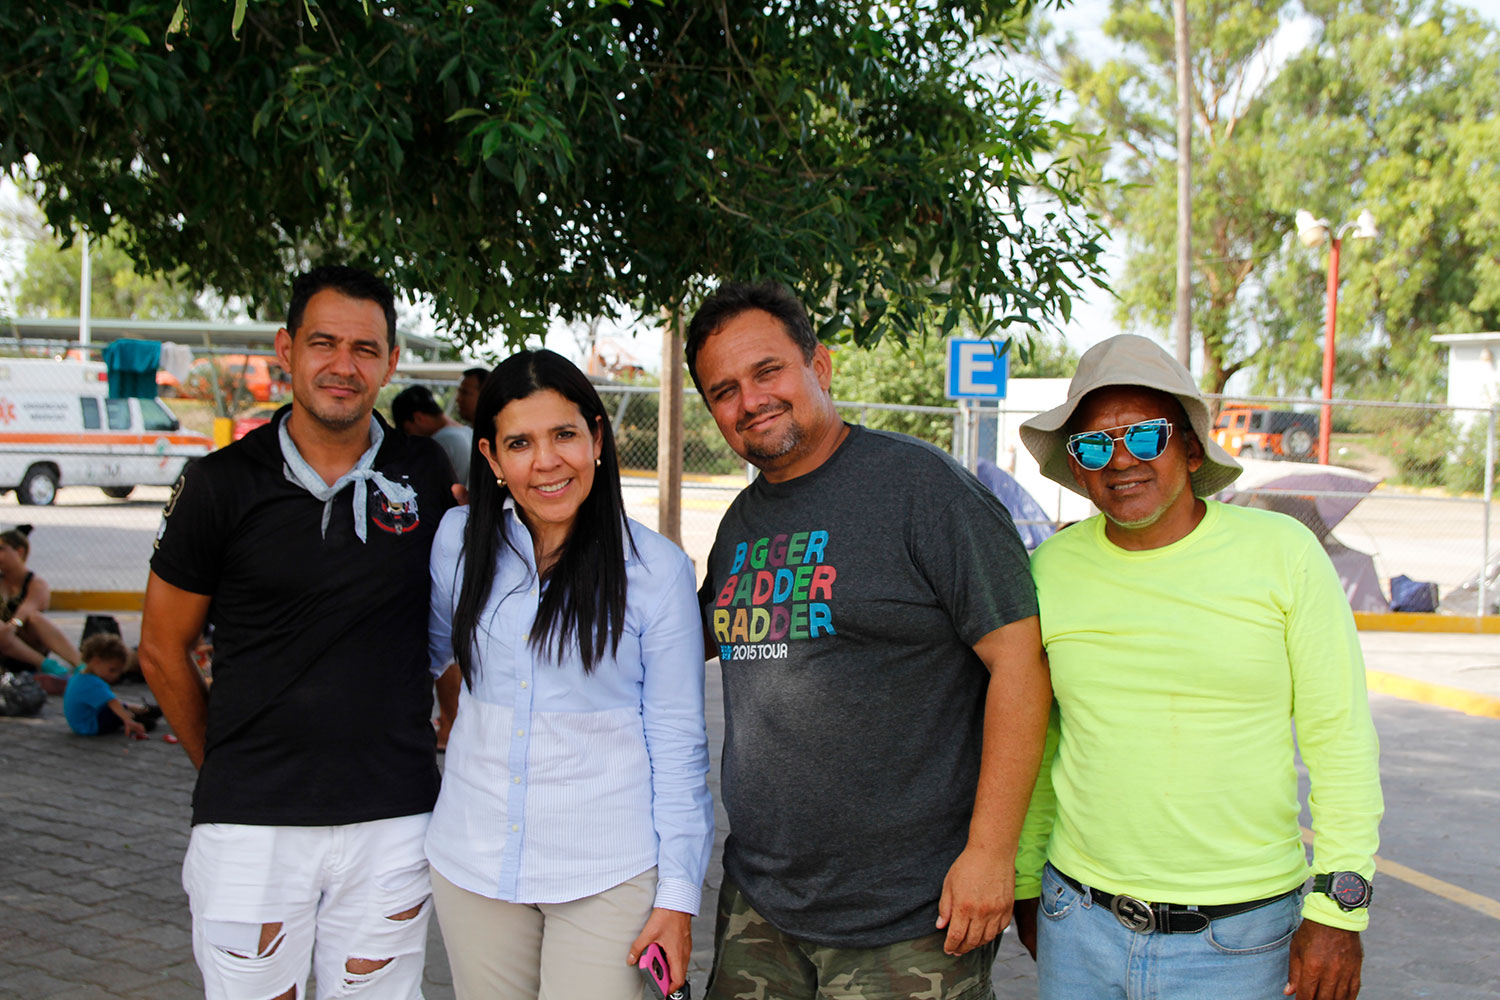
(1135, 361)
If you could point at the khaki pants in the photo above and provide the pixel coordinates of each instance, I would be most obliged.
(544, 951)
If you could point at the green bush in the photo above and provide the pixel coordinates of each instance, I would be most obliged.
(1418, 442)
(1427, 447)
(704, 451)
(1464, 472)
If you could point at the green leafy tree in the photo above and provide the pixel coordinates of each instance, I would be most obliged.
(914, 374)
(1390, 105)
(909, 374)
(1393, 107)
(521, 162)
(1131, 100)
(1045, 357)
(50, 285)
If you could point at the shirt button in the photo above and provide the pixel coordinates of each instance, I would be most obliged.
(520, 732)
(516, 780)
(523, 683)
(514, 827)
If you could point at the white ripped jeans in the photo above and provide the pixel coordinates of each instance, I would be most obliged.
(271, 903)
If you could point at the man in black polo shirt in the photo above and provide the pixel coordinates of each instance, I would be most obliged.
(306, 545)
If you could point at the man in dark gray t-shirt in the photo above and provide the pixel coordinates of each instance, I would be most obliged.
(884, 687)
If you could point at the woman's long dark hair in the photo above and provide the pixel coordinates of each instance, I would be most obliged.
(585, 597)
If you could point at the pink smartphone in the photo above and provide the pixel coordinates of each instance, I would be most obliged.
(653, 965)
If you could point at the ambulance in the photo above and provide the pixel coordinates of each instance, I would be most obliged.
(59, 427)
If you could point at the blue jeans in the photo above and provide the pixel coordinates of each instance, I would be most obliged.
(1084, 953)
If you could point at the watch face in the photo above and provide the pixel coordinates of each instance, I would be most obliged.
(1350, 889)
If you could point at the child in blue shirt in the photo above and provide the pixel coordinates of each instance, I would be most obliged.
(90, 705)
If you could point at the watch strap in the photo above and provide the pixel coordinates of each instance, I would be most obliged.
(1324, 884)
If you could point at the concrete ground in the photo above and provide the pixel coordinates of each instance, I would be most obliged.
(94, 831)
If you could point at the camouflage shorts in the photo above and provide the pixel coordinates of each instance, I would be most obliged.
(755, 961)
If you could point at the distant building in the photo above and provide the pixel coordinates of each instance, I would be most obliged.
(1473, 372)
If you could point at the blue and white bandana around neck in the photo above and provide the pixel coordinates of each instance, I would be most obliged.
(298, 471)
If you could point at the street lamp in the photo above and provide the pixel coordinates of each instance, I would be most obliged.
(1313, 231)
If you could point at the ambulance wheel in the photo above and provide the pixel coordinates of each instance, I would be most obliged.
(117, 492)
(38, 488)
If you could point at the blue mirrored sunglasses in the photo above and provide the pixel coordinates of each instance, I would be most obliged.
(1145, 440)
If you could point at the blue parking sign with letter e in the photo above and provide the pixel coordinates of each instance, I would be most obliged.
(977, 369)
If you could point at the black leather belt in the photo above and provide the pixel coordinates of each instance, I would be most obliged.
(1167, 918)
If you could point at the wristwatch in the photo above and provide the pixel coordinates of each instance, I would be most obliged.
(1351, 890)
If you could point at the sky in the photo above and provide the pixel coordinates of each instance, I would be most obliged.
(1092, 319)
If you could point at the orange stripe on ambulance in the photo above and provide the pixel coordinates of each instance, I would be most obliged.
(60, 427)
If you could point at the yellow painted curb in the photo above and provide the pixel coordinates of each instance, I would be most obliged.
(1433, 694)
(1405, 621)
(97, 600)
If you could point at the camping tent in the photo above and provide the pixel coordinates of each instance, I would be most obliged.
(1464, 599)
(1320, 496)
(1031, 520)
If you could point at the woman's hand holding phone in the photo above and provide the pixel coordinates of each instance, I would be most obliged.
(672, 931)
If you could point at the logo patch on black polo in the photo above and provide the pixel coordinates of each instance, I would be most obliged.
(398, 519)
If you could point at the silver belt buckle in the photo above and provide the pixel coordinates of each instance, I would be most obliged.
(1134, 914)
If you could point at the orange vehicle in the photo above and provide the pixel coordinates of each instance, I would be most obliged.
(258, 376)
(1253, 432)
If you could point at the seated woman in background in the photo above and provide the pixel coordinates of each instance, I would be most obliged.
(28, 640)
(574, 823)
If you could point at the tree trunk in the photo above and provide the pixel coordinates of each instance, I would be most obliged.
(669, 431)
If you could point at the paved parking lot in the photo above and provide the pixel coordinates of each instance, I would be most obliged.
(94, 831)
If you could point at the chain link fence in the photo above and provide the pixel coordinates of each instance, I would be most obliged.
(1411, 486)
(712, 473)
(1416, 499)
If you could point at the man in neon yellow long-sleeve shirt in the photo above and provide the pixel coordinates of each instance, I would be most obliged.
(1161, 856)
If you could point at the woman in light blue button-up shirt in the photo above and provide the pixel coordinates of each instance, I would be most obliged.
(578, 765)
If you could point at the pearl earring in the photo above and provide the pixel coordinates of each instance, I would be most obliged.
(596, 463)
(499, 482)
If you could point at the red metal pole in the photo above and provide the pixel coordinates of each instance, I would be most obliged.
(1325, 425)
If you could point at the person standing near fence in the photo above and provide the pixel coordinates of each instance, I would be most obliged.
(415, 412)
(307, 542)
(884, 688)
(467, 396)
(1185, 637)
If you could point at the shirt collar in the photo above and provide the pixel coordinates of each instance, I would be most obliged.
(298, 471)
(513, 517)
